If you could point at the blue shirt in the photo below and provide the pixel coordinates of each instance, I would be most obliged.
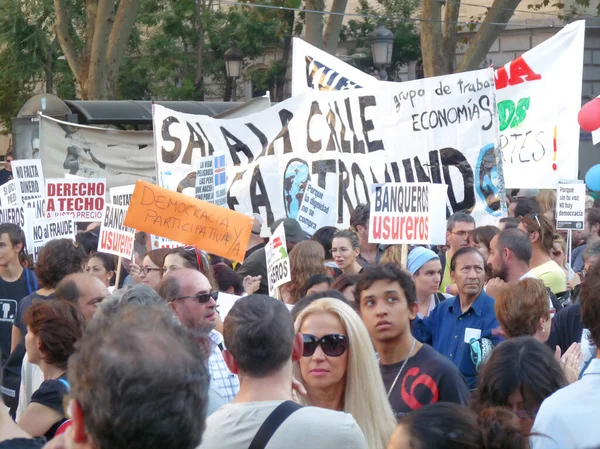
(447, 327)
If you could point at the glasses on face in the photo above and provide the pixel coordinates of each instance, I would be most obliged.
(203, 297)
(342, 250)
(146, 270)
(333, 345)
(463, 234)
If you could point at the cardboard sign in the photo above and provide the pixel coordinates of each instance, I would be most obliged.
(570, 205)
(29, 178)
(400, 213)
(9, 194)
(316, 209)
(121, 196)
(46, 229)
(278, 260)
(225, 302)
(169, 214)
(81, 199)
(115, 237)
(157, 242)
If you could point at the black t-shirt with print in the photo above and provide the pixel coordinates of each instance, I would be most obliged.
(427, 378)
(11, 294)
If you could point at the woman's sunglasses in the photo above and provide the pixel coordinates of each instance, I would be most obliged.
(333, 345)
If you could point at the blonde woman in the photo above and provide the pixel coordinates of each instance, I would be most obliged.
(339, 370)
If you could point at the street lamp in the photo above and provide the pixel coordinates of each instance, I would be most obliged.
(382, 42)
(233, 64)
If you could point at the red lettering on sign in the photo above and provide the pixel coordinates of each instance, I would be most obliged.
(519, 72)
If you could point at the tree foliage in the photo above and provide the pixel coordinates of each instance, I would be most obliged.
(406, 40)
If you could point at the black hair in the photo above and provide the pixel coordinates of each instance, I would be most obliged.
(360, 216)
(324, 236)
(259, 334)
(312, 281)
(526, 205)
(510, 222)
(303, 303)
(88, 240)
(456, 217)
(15, 234)
(226, 278)
(385, 272)
(520, 364)
(460, 252)
(518, 242)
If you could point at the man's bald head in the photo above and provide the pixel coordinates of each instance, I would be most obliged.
(83, 290)
(181, 289)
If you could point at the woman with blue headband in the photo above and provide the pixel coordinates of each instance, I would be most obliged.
(426, 270)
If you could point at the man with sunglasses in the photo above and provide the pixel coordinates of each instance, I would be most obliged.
(190, 296)
(414, 374)
(261, 348)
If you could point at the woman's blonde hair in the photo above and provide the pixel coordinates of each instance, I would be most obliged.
(306, 259)
(392, 254)
(364, 396)
(546, 198)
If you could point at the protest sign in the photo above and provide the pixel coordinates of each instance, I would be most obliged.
(116, 238)
(157, 242)
(29, 178)
(315, 69)
(46, 229)
(120, 157)
(317, 209)
(34, 210)
(400, 214)
(13, 214)
(439, 130)
(81, 199)
(9, 194)
(278, 260)
(539, 133)
(121, 196)
(570, 205)
(226, 302)
(169, 214)
(205, 179)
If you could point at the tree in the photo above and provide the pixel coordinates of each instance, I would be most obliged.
(406, 40)
(326, 40)
(93, 38)
(439, 35)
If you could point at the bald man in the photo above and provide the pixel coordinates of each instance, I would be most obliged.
(83, 290)
(190, 296)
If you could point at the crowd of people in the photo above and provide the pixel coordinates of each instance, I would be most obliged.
(489, 341)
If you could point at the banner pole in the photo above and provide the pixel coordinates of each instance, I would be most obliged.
(569, 245)
(118, 278)
(404, 255)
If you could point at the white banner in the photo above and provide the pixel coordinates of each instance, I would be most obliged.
(539, 97)
(120, 157)
(121, 196)
(46, 229)
(29, 178)
(116, 238)
(34, 210)
(440, 130)
(278, 260)
(9, 194)
(13, 214)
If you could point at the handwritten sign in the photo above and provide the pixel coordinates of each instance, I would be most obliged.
(34, 210)
(81, 199)
(317, 209)
(121, 196)
(166, 213)
(570, 205)
(9, 194)
(400, 213)
(29, 178)
(278, 260)
(115, 237)
(205, 179)
(46, 229)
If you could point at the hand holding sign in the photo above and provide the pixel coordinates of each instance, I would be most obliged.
(178, 217)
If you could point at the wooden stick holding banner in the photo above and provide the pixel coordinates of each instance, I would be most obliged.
(118, 277)
(404, 256)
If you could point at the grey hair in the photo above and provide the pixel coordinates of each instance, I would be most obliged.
(591, 250)
(138, 295)
(456, 217)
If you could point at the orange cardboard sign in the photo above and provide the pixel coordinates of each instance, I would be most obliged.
(178, 217)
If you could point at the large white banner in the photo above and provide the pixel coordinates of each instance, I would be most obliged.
(539, 97)
(120, 157)
(440, 130)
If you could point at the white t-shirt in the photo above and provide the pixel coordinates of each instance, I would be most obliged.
(234, 426)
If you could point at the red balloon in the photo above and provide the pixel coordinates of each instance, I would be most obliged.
(589, 115)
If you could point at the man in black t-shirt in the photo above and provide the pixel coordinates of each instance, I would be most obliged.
(414, 374)
(6, 173)
(15, 282)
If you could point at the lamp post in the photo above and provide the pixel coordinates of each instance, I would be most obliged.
(382, 43)
(233, 64)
